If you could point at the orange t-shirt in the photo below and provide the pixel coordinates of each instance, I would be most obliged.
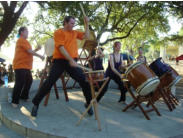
(68, 39)
(22, 59)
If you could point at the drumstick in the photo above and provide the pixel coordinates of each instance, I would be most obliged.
(36, 41)
(83, 14)
(38, 45)
(82, 9)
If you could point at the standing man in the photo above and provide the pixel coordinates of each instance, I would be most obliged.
(64, 59)
(22, 64)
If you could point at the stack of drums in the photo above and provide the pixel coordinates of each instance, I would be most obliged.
(167, 75)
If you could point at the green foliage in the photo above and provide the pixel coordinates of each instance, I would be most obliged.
(145, 34)
(181, 32)
(175, 8)
(138, 22)
(133, 23)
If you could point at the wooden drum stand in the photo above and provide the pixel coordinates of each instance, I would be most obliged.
(93, 77)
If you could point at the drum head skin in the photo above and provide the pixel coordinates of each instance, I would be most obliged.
(178, 78)
(148, 87)
(49, 47)
(170, 79)
(81, 43)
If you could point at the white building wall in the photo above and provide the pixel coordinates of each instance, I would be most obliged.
(180, 50)
(163, 52)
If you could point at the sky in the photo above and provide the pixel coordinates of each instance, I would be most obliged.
(32, 9)
(174, 24)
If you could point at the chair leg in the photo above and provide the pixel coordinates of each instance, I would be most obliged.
(155, 109)
(64, 88)
(128, 106)
(56, 91)
(136, 102)
(46, 99)
(145, 114)
(167, 92)
(163, 94)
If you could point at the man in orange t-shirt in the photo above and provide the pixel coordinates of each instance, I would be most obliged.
(64, 59)
(22, 64)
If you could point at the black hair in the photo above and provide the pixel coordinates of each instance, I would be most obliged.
(21, 30)
(67, 19)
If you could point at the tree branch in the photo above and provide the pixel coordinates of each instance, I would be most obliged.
(175, 38)
(41, 32)
(125, 36)
(115, 23)
(13, 5)
(105, 24)
(5, 5)
(9, 19)
(17, 14)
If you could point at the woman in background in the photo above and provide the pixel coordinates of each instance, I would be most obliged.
(141, 57)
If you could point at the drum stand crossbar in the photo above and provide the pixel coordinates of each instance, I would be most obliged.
(137, 100)
(167, 79)
(48, 64)
(172, 100)
(93, 101)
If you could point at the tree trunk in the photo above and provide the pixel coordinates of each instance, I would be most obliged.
(9, 19)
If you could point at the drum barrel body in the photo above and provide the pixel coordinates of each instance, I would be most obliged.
(159, 68)
(139, 75)
(49, 47)
(170, 78)
(97, 75)
(141, 78)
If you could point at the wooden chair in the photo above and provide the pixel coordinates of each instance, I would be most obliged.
(138, 100)
(165, 93)
(94, 96)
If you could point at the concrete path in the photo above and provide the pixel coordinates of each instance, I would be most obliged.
(8, 133)
(59, 118)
